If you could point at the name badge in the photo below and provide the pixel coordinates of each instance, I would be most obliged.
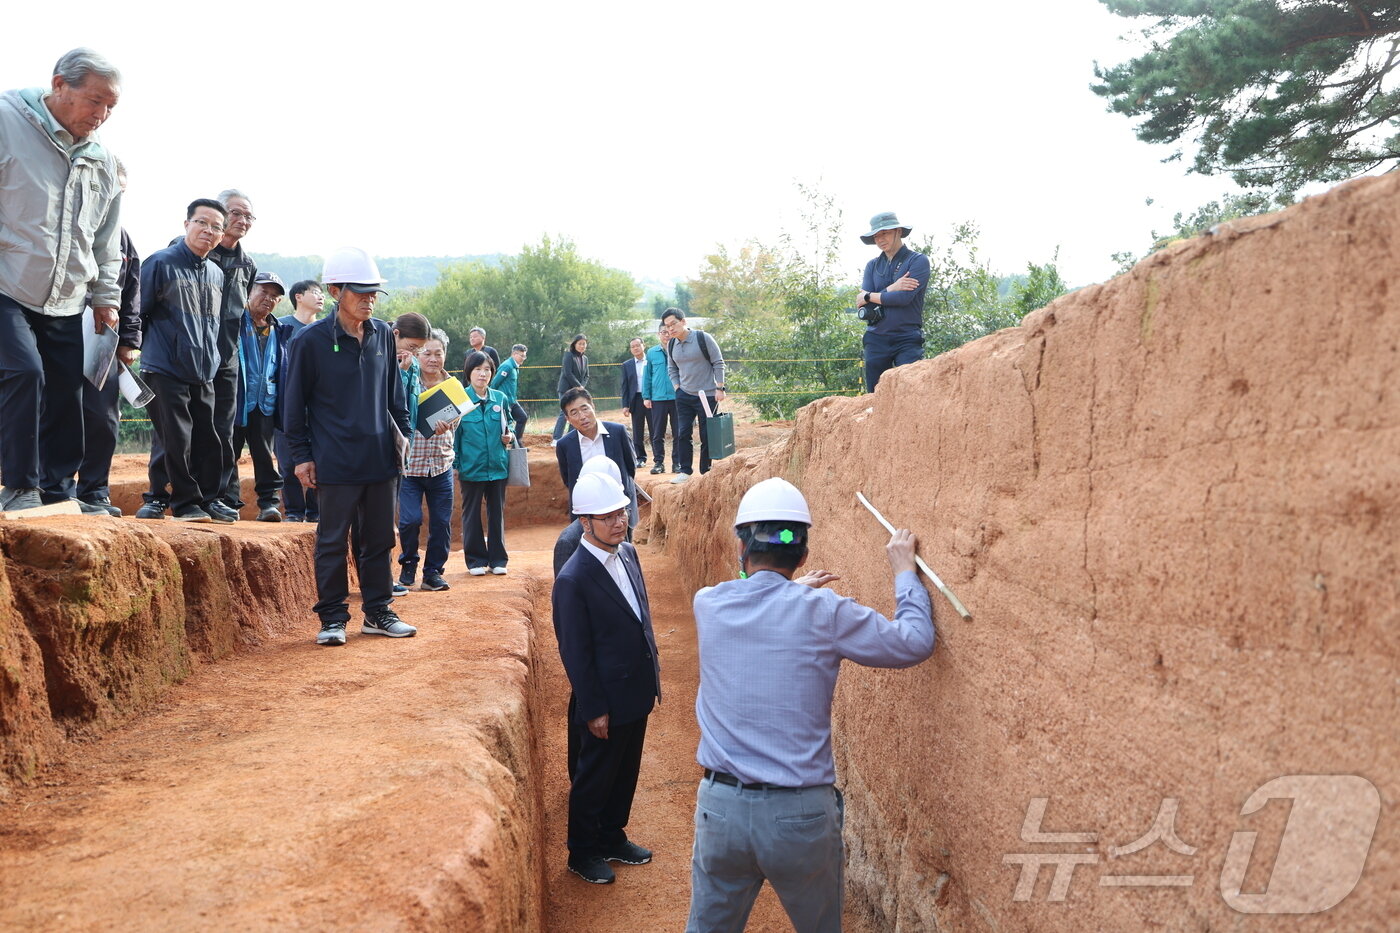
(495, 408)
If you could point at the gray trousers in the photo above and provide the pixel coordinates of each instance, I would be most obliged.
(791, 837)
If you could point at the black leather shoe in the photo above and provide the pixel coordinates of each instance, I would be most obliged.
(592, 869)
(658, 469)
(628, 853)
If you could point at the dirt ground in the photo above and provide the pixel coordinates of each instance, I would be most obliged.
(118, 835)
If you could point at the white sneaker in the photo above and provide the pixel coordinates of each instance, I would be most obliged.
(499, 571)
(680, 477)
(477, 571)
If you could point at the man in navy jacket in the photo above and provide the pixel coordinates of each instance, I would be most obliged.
(180, 290)
(602, 621)
(632, 400)
(591, 437)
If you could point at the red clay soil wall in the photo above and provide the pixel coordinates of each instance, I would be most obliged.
(98, 617)
(1171, 503)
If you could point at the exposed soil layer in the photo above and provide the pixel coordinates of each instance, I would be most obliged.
(1171, 503)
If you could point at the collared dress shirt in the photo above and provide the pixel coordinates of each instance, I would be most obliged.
(770, 650)
(587, 449)
(612, 563)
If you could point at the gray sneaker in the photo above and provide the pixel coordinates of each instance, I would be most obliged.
(332, 633)
(15, 499)
(89, 508)
(386, 622)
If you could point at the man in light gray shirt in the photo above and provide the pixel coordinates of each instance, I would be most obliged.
(771, 647)
(60, 245)
(696, 368)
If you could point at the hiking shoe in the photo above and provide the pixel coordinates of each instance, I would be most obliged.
(477, 571)
(192, 514)
(658, 469)
(399, 589)
(14, 499)
(386, 622)
(628, 853)
(154, 509)
(269, 514)
(499, 571)
(220, 512)
(295, 518)
(592, 869)
(434, 582)
(105, 504)
(409, 573)
(332, 633)
(680, 478)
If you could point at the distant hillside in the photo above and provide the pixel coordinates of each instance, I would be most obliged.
(400, 271)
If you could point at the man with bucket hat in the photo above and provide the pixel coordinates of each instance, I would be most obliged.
(771, 647)
(892, 294)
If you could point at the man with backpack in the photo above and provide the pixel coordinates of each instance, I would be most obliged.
(696, 368)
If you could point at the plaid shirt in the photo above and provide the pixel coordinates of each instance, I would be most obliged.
(429, 456)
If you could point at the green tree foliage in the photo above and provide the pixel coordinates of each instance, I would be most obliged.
(680, 298)
(1277, 93)
(792, 342)
(735, 286)
(1207, 216)
(402, 272)
(540, 298)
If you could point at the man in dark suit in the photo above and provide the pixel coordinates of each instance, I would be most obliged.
(590, 438)
(632, 402)
(602, 621)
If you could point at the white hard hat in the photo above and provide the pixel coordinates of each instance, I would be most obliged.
(351, 265)
(598, 494)
(773, 500)
(601, 464)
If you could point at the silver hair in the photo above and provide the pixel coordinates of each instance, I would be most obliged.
(229, 194)
(75, 67)
(439, 335)
(477, 330)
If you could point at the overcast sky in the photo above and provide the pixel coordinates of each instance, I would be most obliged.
(647, 133)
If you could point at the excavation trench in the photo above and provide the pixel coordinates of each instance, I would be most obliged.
(404, 784)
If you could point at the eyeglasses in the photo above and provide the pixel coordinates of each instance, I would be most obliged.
(244, 214)
(212, 228)
(612, 517)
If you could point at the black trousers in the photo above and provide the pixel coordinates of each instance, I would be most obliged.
(267, 481)
(688, 411)
(640, 420)
(225, 410)
(490, 550)
(183, 417)
(41, 400)
(370, 508)
(517, 412)
(662, 412)
(101, 421)
(299, 500)
(603, 783)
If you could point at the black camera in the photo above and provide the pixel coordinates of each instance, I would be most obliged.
(870, 314)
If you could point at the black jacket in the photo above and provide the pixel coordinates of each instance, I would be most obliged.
(180, 315)
(573, 371)
(341, 407)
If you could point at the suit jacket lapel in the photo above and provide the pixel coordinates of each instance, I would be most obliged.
(609, 585)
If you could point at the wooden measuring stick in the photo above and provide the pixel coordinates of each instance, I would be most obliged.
(928, 571)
